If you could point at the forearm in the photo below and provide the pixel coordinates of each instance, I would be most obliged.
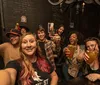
(93, 76)
(4, 78)
(54, 78)
(12, 73)
(99, 76)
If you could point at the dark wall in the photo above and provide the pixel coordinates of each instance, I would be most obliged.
(41, 12)
(36, 11)
(0, 31)
(86, 21)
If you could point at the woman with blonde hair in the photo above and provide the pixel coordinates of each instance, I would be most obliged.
(31, 68)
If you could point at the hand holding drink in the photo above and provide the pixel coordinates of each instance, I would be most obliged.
(92, 55)
(69, 51)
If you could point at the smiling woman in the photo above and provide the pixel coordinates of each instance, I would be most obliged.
(31, 67)
(28, 45)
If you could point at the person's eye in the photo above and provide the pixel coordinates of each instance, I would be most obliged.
(31, 41)
(24, 42)
(92, 45)
(38, 33)
(88, 46)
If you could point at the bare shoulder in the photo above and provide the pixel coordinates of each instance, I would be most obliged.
(5, 44)
(8, 44)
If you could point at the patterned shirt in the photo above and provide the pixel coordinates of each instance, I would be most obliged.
(49, 47)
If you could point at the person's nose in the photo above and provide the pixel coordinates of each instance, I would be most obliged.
(91, 48)
(41, 34)
(61, 31)
(11, 38)
(28, 44)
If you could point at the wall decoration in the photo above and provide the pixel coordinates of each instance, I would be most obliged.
(88, 1)
(55, 3)
(97, 1)
(24, 19)
(69, 1)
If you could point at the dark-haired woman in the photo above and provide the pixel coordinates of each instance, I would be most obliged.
(72, 51)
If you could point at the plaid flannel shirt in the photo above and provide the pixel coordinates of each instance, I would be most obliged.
(49, 47)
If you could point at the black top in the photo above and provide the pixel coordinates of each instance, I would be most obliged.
(41, 44)
(43, 78)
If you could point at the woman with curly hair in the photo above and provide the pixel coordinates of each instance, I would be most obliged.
(73, 51)
(31, 68)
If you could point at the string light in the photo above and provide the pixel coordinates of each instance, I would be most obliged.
(83, 6)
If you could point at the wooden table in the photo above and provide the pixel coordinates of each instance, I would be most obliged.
(79, 81)
(82, 81)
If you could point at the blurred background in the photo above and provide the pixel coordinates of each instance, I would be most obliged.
(80, 15)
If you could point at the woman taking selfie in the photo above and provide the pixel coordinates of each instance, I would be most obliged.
(31, 68)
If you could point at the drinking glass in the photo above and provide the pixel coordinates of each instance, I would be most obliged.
(72, 50)
(92, 56)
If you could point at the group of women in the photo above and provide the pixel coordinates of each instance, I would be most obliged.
(36, 67)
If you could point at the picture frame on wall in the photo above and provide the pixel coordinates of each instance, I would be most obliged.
(51, 27)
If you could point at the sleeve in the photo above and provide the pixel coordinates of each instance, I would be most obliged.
(52, 69)
(14, 64)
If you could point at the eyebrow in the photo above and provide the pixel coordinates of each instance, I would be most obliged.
(91, 45)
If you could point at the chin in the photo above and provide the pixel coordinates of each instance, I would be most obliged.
(41, 38)
(14, 43)
(30, 53)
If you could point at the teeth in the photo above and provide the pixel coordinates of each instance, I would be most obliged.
(29, 49)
